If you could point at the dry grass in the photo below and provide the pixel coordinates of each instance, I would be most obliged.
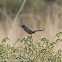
(51, 24)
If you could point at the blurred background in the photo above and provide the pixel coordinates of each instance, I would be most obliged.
(36, 14)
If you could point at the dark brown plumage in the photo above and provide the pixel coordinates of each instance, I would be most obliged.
(28, 30)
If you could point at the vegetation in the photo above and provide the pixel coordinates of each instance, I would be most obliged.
(30, 6)
(30, 51)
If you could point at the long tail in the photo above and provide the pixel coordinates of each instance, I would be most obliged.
(38, 30)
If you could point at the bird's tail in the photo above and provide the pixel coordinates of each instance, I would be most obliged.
(39, 30)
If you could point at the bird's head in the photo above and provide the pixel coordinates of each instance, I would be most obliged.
(23, 26)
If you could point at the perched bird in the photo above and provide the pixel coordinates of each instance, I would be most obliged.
(29, 30)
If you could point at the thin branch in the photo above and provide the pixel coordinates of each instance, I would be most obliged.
(16, 17)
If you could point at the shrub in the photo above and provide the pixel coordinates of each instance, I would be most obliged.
(30, 51)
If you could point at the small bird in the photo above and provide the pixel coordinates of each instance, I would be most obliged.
(29, 30)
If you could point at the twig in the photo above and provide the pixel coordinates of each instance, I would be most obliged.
(17, 15)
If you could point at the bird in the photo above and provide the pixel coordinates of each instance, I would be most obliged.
(29, 30)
